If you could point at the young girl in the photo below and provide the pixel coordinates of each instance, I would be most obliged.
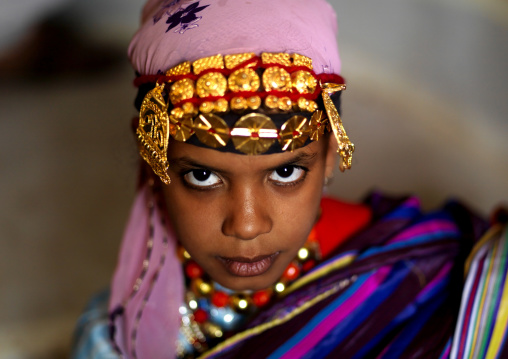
(231, 251)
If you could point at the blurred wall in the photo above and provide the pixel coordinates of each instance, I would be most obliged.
(425, 106)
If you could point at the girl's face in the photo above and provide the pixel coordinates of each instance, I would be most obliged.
(244, 218)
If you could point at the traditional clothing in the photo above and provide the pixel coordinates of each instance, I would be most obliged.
(390, 290)
(256, 77)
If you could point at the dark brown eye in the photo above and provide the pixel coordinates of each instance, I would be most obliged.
(287, 174)
(201, 178)
(201, 175)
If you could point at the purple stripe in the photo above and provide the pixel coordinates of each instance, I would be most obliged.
(436, 280)
(338, 315)
(424, 228)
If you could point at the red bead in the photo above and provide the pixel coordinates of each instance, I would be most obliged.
(200, 316)
(292, 272)
(193, 270)
(220, 299)
(261, 298)
(307, 266)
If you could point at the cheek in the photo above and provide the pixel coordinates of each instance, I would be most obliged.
(194, 222)
(298, 214)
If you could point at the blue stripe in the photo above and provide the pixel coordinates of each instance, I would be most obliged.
(302, 333)
(361, 315)
(409, 311)
(424, 312)
(422, 239)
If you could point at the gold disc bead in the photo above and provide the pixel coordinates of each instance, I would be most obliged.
(189, 109)
(254, 102)
(276, 78)
(244, 80)
(206, 107)
(177, 113)
(312, 106)
(181, 90)
(211, 84)
(303, 82)
(284, 104)
(272, 102)
(221, 105)
(211, 130)
(306, 105)
(238, 104)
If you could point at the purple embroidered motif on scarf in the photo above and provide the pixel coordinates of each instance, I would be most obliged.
(184, 17)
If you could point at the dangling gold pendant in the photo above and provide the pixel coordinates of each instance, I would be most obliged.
(346, 147)
(153, 132)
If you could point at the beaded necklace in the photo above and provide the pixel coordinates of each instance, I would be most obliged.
(211, 313)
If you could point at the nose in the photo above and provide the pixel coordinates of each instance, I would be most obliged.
(247, 215)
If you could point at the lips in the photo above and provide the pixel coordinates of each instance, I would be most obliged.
(248, 267)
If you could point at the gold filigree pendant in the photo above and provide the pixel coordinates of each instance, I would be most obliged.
(346, 147)
(153, 132)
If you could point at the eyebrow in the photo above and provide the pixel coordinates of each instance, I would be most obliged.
(190, 162)
(302, 158)
(185, 161)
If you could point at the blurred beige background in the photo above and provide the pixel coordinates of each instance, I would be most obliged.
(426, 106)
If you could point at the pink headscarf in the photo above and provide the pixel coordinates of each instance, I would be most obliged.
(306, 27)
(147, 287)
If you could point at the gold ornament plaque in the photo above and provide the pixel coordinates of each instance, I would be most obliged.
(254, 133)
(294, 133)
(317, 125)
(211, 130)
(181, 129)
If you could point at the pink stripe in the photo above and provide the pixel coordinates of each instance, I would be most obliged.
(426, 227)
(338, 315)
(446, 353)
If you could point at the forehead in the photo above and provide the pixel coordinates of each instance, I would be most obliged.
(184, 154)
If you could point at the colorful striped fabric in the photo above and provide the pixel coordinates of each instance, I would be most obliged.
(392, 291)
(404, 277)
(483, 322)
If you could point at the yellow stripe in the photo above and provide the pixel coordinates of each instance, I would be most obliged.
(265, 326)
(492, 231)
(340, 263)
(501, 320)
(482, 302)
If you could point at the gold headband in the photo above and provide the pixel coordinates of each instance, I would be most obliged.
(201, 91)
